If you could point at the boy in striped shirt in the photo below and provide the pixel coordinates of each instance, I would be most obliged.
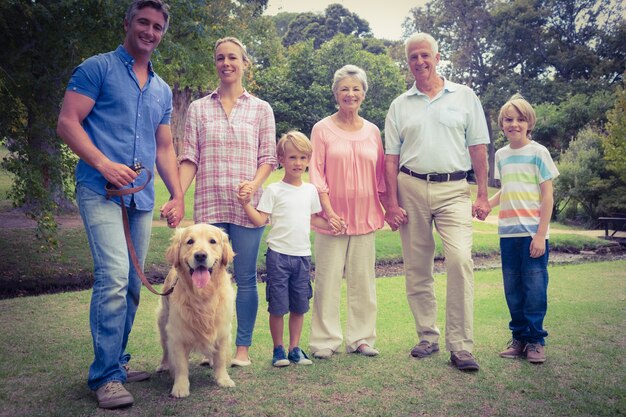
(526, 171)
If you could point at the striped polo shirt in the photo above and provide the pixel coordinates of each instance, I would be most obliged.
(521, 171)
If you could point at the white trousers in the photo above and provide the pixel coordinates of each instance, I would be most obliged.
(336, 256)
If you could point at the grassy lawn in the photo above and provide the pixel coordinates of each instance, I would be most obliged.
(46, 350)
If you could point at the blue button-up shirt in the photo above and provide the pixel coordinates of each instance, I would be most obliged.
(124, 118)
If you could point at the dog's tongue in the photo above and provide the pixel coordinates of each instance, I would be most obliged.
(201, 276)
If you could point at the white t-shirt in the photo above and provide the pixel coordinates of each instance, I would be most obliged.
(290, 209)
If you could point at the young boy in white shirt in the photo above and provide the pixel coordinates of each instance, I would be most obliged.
(292, 205)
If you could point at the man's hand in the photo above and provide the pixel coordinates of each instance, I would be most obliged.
(396, 216)
(481, 208)
(173, 211)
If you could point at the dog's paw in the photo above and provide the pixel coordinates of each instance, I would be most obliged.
(180, 390)
(163, 368)
(226, 382)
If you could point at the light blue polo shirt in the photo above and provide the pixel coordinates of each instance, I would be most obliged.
(433, 135)
(124, 118)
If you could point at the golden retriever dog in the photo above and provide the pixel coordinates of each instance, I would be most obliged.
(197, 315)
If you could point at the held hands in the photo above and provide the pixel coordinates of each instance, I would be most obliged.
(481, 208)
(173, 211)
(337, 225)
(395, 217)
(245, 190)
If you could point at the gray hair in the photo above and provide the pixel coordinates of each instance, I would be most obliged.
(349, 71)
(158, 5)
(421, 37)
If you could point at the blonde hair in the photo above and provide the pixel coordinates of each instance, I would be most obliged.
(298, 140)
(519, 103)
(231, 39)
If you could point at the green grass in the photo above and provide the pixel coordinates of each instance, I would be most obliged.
(46, 350)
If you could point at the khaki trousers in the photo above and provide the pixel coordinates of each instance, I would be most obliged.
(448, 205)
(355, 256)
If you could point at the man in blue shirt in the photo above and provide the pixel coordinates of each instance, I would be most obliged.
(434, 134)
(115, 114)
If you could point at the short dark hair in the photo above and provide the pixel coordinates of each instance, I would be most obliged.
(159, 5)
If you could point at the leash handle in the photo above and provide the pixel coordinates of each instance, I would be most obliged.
(117, 192)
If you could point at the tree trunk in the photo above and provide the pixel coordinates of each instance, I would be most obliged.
(181, 98)
(491, 149)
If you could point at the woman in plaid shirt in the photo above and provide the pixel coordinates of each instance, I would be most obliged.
(230, 142)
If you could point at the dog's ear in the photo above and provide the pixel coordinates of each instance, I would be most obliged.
(227, 251)
(171, 254)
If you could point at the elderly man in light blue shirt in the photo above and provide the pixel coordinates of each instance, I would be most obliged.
(434, 134)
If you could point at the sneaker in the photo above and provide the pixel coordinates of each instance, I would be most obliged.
(113, 395)
(323, 354)
(535, 353)
(424, 349)
(463, 361)
(135, 376)
(298, 357)
(279, 359)
(514, 349)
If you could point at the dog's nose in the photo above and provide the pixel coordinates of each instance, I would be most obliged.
(200, 257)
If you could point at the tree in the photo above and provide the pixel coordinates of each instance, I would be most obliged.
(300, 90)
(322, 28)
(43, 40)
(583, 179)
(615, 140)
(41, 43)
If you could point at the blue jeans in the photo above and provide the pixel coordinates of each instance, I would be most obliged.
(525, 288)
(245, 242)
(116, 286)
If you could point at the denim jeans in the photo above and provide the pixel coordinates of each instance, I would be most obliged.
(525, 288)
(245, 242)
(116, 288)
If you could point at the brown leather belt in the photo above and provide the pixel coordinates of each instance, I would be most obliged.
(116, 192)
(434, 177)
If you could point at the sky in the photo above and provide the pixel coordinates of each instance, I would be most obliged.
(385, 17)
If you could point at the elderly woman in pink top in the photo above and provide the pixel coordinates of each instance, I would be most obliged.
(347, 167)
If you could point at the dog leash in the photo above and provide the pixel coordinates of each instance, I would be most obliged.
(116, 192)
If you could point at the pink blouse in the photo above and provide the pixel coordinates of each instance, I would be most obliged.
(349, 166)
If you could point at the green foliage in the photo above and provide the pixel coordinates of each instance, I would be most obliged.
(322, 28)
(300, 89)
(42, 42)
(615, 140)
(584, 179)
(557, 124)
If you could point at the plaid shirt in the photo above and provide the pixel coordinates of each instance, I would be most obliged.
(227, 151)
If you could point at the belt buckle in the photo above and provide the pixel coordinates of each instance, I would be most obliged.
(435, 177)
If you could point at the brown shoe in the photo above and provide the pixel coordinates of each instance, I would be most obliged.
(424, 349)
(535, 353)
(113, 395)
(463, 361)
(135, 376)
(514, 350)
